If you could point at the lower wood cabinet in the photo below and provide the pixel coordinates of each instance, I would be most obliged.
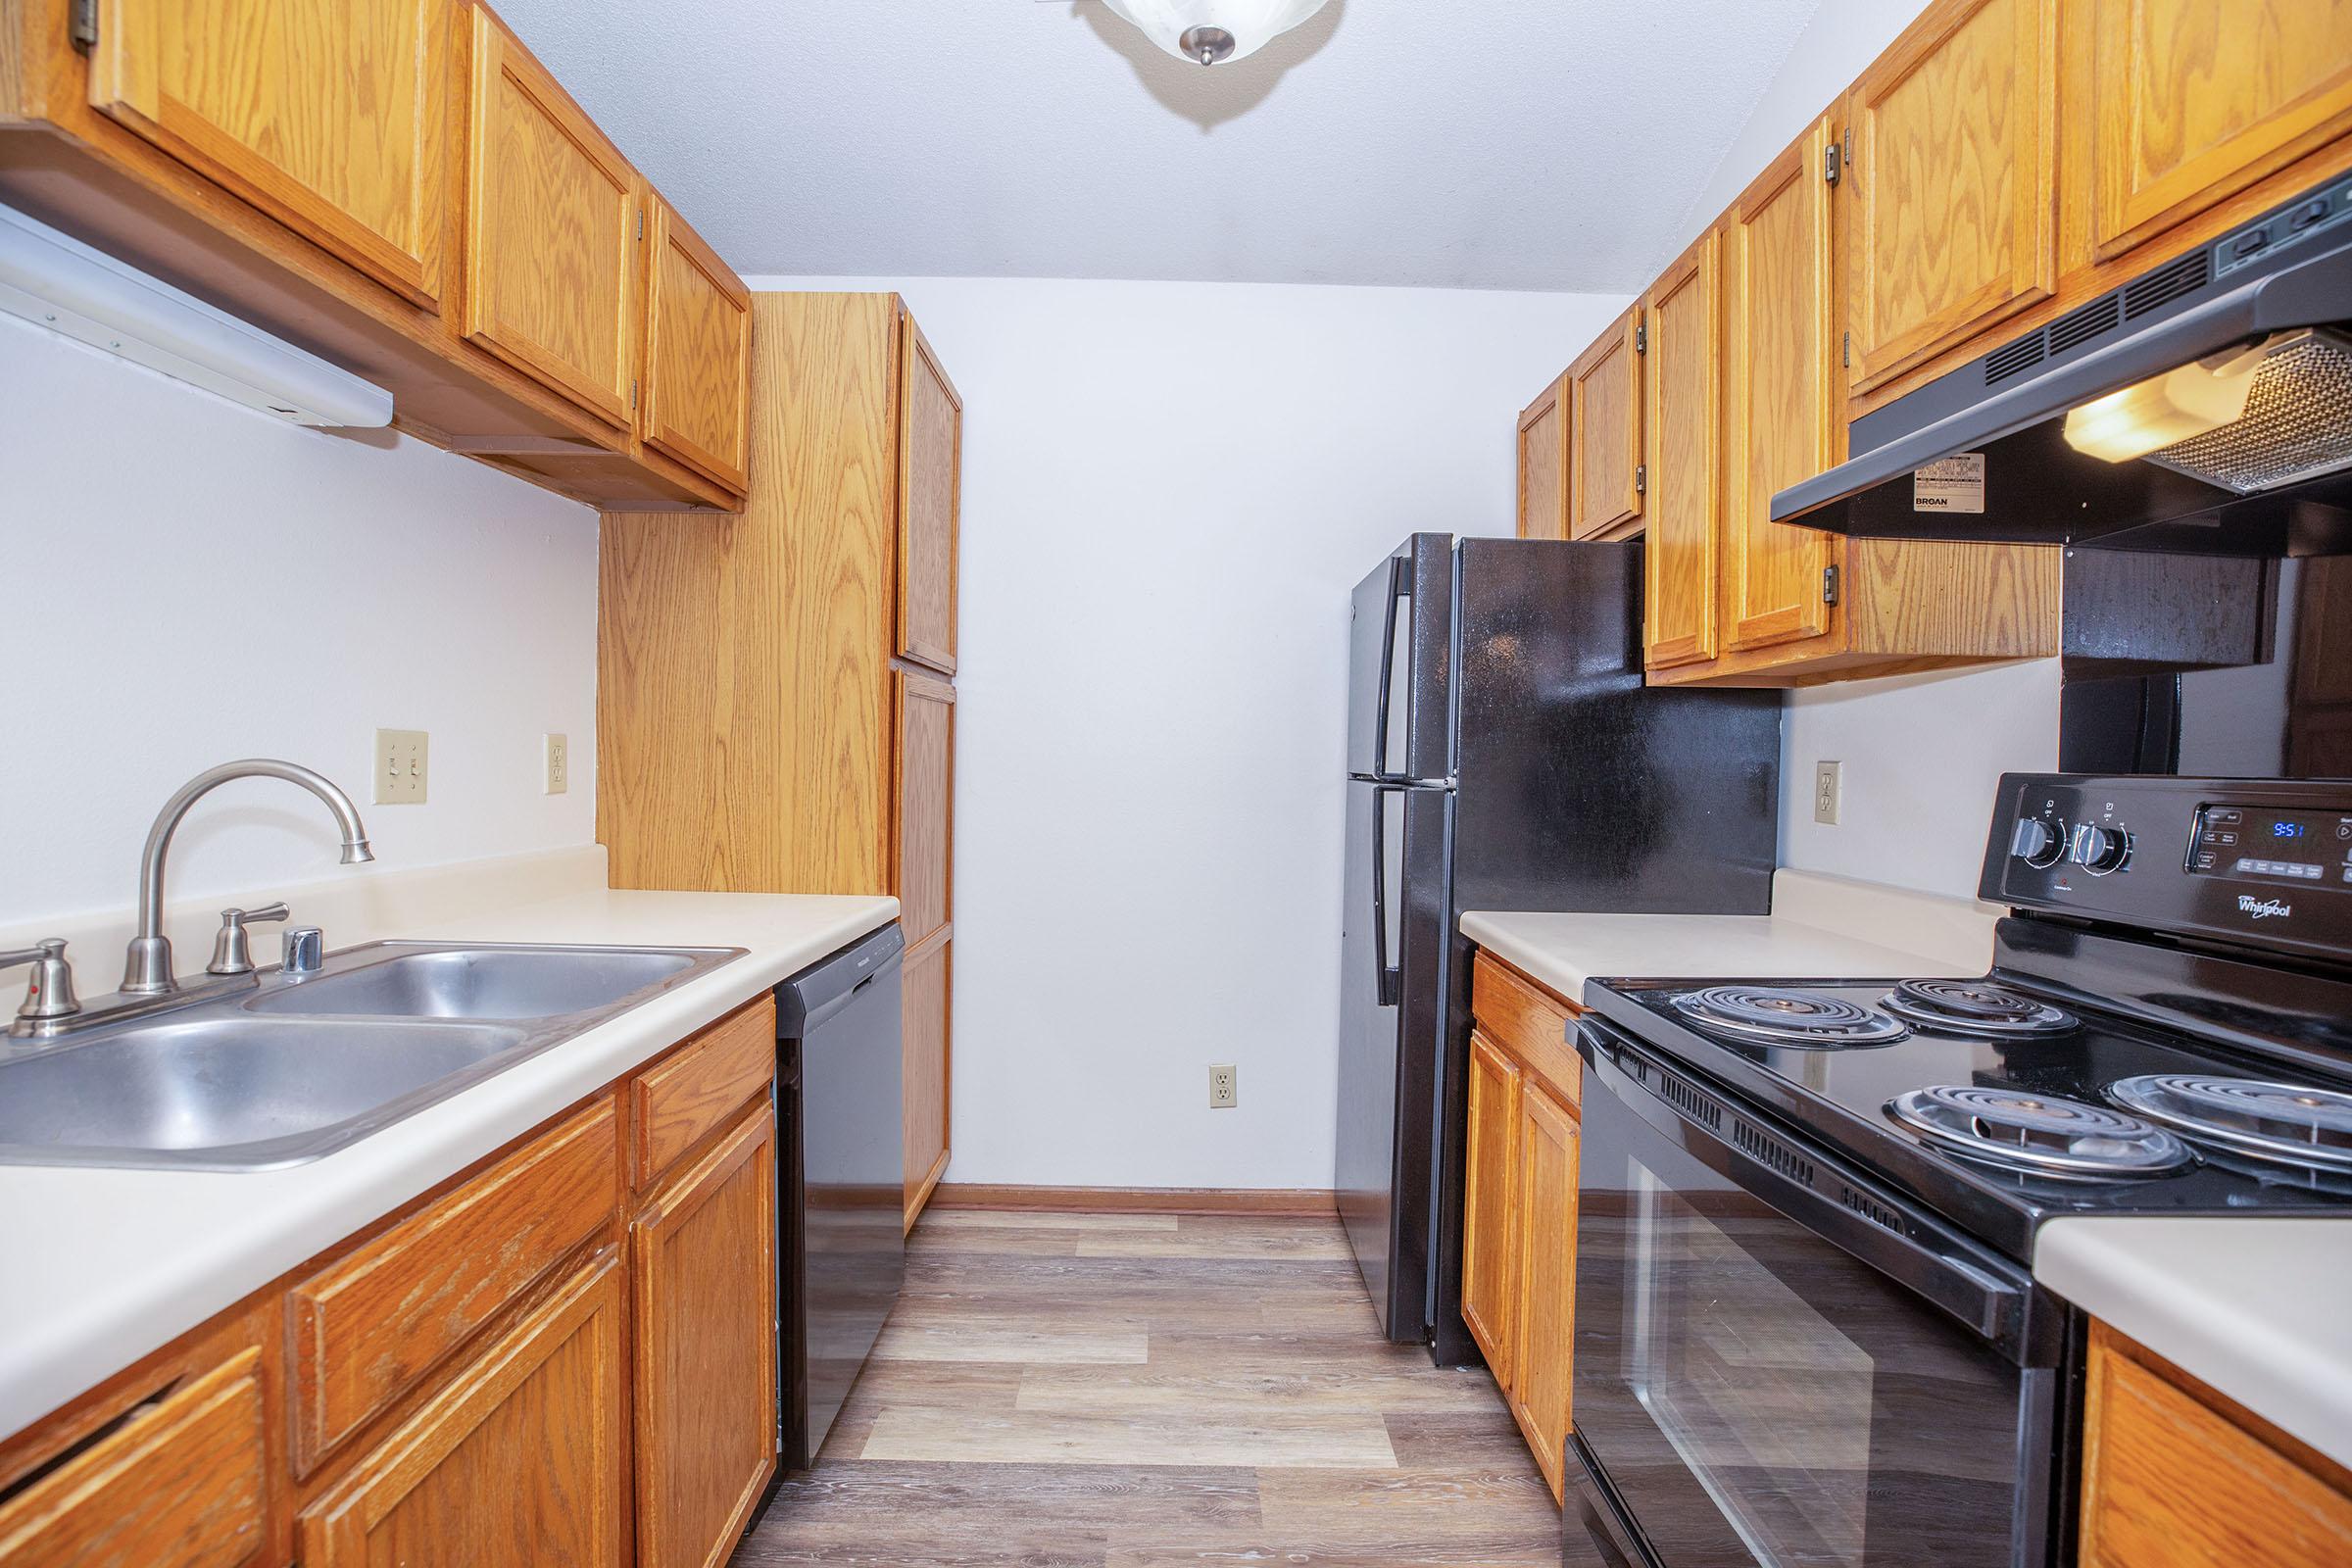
(2175, 1476)
(706, 1301)
(926, 978)
(518, 1462)
(1519, 1208)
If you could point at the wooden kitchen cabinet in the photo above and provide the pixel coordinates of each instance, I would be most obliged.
(1544, 464)
(1683, 425)
(1954, 140)
(1604, 433)
(1519, 1203)
(2177, 1476)
(758, 728)
(519, 1461)
(697, 404)
(237, 90)
(705, 1274)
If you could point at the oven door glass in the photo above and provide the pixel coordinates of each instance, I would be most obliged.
(1748, 1392)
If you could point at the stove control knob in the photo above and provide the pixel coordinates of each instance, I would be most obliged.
(2036, 843)
(2100, 850)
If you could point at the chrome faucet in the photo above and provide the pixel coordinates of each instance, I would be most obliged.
(147, 963)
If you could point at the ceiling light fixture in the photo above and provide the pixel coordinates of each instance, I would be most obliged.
(1211, 30)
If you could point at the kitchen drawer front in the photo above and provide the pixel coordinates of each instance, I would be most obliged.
(1530, 1023)
(367, 1328)
(181, 1484)
(677, 1104)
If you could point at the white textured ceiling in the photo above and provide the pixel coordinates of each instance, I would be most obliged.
(1537, 144)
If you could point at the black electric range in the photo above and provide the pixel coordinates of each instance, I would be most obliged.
(1806, 1325)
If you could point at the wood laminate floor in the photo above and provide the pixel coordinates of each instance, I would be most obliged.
(1147, 1391)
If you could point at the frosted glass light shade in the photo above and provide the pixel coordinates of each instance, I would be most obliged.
(1251, 24)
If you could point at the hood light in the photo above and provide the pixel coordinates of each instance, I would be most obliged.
(2166, 409)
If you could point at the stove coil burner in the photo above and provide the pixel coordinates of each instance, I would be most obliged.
(2286, 1124)
(1976, 1008)
(1772, 1017)
(2041, 1135)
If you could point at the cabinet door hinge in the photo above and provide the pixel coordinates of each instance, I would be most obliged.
(85, 25)
(1833, 162)
(1829, 585)
(1641, 336)
(1640, 479)
(641, 223)
(632, 391)
(1846, 356)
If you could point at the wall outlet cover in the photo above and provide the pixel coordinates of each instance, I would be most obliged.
(558, 753)
(401, 766)
(1224, 1087)
(1828, 792)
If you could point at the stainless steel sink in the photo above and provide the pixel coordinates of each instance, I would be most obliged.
(289, 1070)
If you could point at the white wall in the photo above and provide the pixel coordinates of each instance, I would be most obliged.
(188, 582)
(1169, 491)
(1922, 754)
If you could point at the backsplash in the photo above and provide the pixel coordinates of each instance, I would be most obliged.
(192, 582)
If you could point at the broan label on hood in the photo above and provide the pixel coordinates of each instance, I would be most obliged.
(1951, 484)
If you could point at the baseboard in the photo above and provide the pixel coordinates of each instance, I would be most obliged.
(1274, 1201)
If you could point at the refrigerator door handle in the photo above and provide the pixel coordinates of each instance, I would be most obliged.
(1399, 587)
(1389, 978)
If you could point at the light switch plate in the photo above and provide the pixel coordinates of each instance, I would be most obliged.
(400, 766)
(558, 764)
(1224, 1087)
(1828, 792)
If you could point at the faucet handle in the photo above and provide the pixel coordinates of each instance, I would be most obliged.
(304, 950)
(232, 950)
(49, 993)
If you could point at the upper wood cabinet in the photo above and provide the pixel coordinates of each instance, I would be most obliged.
(930, 496)
(2193, 100)
(328, 114)
(1543, 464)
(1954, 155)
(553, 224)
(1781, 406)
(927, 786)
(1604, 433)
(1684, 427)
(706, 1346)
(1490, 1193)
(697, 402)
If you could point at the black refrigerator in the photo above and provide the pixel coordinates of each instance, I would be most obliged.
(1503, 754)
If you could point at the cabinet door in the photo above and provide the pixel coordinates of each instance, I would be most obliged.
(925, 986)
(697, 405)
(920, 870)
(328, 114)
(930, 486)
(520, 1462)
(1490, 1222)
(1779, 371)
(2193, 100)
(1543, 464)
(1604, 433)
(552, 229)
(181, 1483)
(1684, 379)
(1547, 1310)
(706, 1362)
(1954, 152)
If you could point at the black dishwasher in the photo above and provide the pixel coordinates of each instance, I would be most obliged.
(840, 1180)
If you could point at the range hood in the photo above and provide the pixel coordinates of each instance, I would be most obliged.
(2203, 408)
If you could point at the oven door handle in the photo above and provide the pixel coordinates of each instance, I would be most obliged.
(1835, 1203)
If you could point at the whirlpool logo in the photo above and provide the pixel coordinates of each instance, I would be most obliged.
(2263, 908)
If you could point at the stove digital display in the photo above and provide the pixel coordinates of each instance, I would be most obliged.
(2273, 846)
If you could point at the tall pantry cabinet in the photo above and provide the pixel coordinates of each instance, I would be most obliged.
(775, 695)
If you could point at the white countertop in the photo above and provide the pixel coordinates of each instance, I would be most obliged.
(106, 1265)
(2257, 1307)
(1821, 927)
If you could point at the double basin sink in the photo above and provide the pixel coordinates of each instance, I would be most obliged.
(291, 1069)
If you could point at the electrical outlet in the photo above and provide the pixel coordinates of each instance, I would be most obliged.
(558, 764)
(1224, 1092)
(400, 766)
(1828, 792)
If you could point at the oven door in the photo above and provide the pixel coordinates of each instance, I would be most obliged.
(1780, 1362)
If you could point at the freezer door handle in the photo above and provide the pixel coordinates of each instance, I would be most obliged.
(1389, 977)
(1399, 587)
